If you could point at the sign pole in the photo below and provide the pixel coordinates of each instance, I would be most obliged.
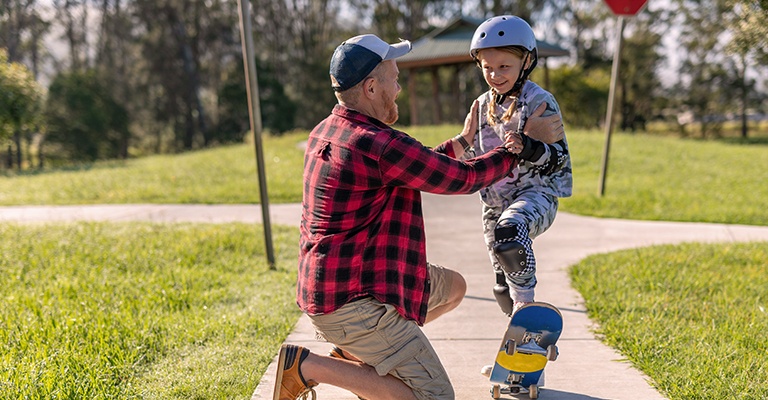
(611, 101)
(254, 111)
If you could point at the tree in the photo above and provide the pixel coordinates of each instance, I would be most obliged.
(750, 29)
(277, 110)
(21, 31)
(73, 15)
(715, 67)
(297, 38)
(749, 42)
(589, 25)
(115, 53)
(20, 99)
(84, 120)
(185, 46)
(581, 94)
(640, 61)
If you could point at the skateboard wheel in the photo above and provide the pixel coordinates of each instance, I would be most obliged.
(511, 347)
(552, 352)
(496, 391)
(533, 391)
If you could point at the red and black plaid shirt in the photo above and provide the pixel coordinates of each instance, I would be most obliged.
(362, 229)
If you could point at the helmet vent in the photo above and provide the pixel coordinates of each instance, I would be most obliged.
(501, 33)
(482, 35)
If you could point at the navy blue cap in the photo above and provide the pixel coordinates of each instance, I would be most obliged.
(354, 59)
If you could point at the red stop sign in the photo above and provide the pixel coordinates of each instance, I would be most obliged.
(625, 7)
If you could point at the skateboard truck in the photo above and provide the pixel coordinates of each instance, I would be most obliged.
(528, 344)
(531, 347)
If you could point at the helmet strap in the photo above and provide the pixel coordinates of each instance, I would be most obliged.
(522, 77)
(524, 73)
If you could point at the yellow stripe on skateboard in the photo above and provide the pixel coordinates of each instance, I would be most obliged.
(521, 362)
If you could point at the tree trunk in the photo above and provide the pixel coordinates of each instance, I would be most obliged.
(9, 159)
(744, 127)
(190, 70)
(40, 154)
(17, 142)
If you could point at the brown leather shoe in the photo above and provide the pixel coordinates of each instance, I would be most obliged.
(289, 384)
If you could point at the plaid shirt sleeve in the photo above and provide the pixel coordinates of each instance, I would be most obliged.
(409, 164)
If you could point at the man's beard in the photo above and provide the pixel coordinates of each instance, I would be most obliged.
(392, 111)
(392, 114)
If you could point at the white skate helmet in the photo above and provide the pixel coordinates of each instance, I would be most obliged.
(506, 31)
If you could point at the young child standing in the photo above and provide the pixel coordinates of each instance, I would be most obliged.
(522, 206)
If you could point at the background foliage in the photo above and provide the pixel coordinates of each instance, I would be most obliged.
(20, 97)
(84, 121)
(167, 75)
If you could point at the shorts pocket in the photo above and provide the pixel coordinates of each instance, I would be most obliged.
(332, 335)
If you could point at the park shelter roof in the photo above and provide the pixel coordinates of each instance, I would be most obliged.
(450, 45)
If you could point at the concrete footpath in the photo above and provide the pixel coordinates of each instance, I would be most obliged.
(468, 337)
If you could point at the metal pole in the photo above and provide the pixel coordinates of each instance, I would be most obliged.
(254, 112)
(611, 101)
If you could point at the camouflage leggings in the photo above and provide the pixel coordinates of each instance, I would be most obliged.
(530, 213)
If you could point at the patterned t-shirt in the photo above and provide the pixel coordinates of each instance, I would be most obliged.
(550, 173)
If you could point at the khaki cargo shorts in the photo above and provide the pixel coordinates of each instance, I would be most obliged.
(378, 335)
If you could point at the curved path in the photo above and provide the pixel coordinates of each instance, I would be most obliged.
(467, 338)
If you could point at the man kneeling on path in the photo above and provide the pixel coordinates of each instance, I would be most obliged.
(363, 279)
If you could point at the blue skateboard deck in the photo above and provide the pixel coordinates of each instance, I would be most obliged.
(528, 344)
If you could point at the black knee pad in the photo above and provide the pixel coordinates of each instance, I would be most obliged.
(512, 256)
(501, 292)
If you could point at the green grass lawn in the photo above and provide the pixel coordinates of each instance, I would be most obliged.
(694, 317)
(192, 311)
(650, 177)
(220, 175)
(123, 311)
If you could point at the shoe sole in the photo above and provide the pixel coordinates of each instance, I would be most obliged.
(280, 370)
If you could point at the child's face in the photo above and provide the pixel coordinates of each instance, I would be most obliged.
(500, 68)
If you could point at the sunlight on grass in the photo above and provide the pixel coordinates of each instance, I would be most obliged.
(693, 317)
(192, 311)
(220, 175)
(650, 177)
(663, 178)
(141, 310)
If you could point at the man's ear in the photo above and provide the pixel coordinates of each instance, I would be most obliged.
(369, 87)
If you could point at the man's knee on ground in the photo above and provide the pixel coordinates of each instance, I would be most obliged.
(457, 290)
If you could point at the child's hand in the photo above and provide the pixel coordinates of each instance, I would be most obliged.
(513, 142)
(545, 129)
